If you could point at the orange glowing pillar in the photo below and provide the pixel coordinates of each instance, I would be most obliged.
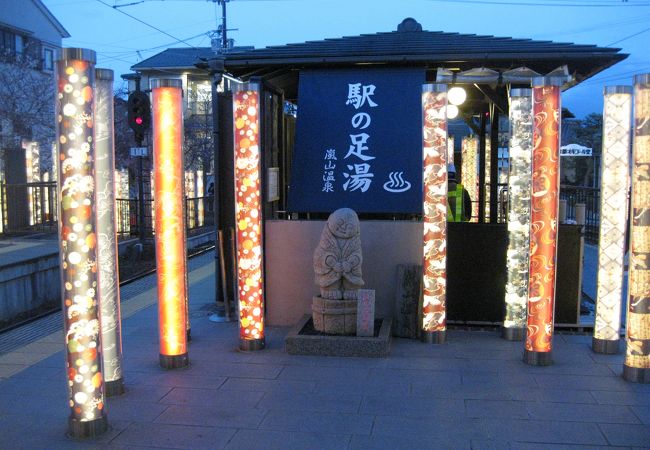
(248, 211)
(78, 241)
(543, 220)
(171, 263)
(434, 177)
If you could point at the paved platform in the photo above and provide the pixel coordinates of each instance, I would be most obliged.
(473, 392)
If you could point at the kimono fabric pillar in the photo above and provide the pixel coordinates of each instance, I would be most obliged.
(248, 212)
(78, 240)
(613, 217)
(521, 146)
(109, 292)
(637, 354)
(434, 177)
(171, 264)
(545, 187)
(469, 177)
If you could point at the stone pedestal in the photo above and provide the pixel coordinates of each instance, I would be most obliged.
(334, 316)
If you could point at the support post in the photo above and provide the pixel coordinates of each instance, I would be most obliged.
(543, 222)
(613, 217)
(78, 241)
(494, 165)
(249, 221)
(521, 146)
(109, 292)
(434, 161)
(481, 168)
(637, 354)
(171, 264)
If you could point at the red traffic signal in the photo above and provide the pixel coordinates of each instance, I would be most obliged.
(139, 113)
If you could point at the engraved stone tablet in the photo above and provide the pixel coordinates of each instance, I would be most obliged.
(366, 312)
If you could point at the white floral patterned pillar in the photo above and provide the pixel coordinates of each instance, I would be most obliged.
(615, 178)
(78, 240)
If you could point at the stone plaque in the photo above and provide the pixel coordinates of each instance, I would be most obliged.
(407, 298)
(366, 312)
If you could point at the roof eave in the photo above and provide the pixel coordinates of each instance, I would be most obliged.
(46, 12)
(429, 58)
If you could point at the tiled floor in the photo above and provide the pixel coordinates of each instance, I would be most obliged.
(473, 392)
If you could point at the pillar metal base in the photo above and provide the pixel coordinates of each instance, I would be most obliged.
(636, 375)
(251, 345)
(513, 334)
(605, 346)
(538, 358)
(78, 429)
(433, 337)
(174, 361)
(114, 388)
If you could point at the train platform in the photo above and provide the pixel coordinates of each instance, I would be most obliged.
(474, 392)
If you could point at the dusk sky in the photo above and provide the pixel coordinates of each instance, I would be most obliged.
(122, 41)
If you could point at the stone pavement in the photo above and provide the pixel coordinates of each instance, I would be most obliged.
(473, 392)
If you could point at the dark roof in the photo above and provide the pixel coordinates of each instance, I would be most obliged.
(415, 46)
(409, 46)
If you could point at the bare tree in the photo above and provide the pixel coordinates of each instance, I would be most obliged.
(27, 96)
(198, 145)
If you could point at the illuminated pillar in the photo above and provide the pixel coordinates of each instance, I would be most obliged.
(450, 149)
(521, 149)
(469, 179)
(488, 165)
(109, 291)
(190, 195)
(613, 217)
(637, 354)
(33, 175)
(545, 189)
(200, 194)
(171, 265)
(248, 211)
(78, 239)
(434, 177)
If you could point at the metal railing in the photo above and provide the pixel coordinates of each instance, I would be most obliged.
(32, 208)
(198, 214)
(588, 196)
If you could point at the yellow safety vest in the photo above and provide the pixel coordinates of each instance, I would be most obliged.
(457, 214)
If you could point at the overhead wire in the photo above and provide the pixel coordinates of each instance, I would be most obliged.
(538, 3)
(145, 23)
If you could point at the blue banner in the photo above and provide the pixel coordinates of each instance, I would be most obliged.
(358, 141)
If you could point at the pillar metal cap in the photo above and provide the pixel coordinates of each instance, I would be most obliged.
(434, 87)
(607, 90)
(521, 92)
(84, 54)
(166, 82)
(643, 78)
(104, 74)
(549, 81)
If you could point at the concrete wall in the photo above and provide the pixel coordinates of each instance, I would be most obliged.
(26, 285)
(290, 245)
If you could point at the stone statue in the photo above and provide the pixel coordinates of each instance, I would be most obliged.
(337, 259)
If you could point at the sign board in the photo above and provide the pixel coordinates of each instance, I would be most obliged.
(574, 150)
(139, 151)
(366, 312)
(358, 141)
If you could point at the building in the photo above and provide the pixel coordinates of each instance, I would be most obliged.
(306, 75)
(30, 37)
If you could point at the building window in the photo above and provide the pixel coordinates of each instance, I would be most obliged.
(7, 43)
(48, 59)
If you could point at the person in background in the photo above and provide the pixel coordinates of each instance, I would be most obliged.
(459, 203)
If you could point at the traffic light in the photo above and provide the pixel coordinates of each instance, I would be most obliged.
(139, 114)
